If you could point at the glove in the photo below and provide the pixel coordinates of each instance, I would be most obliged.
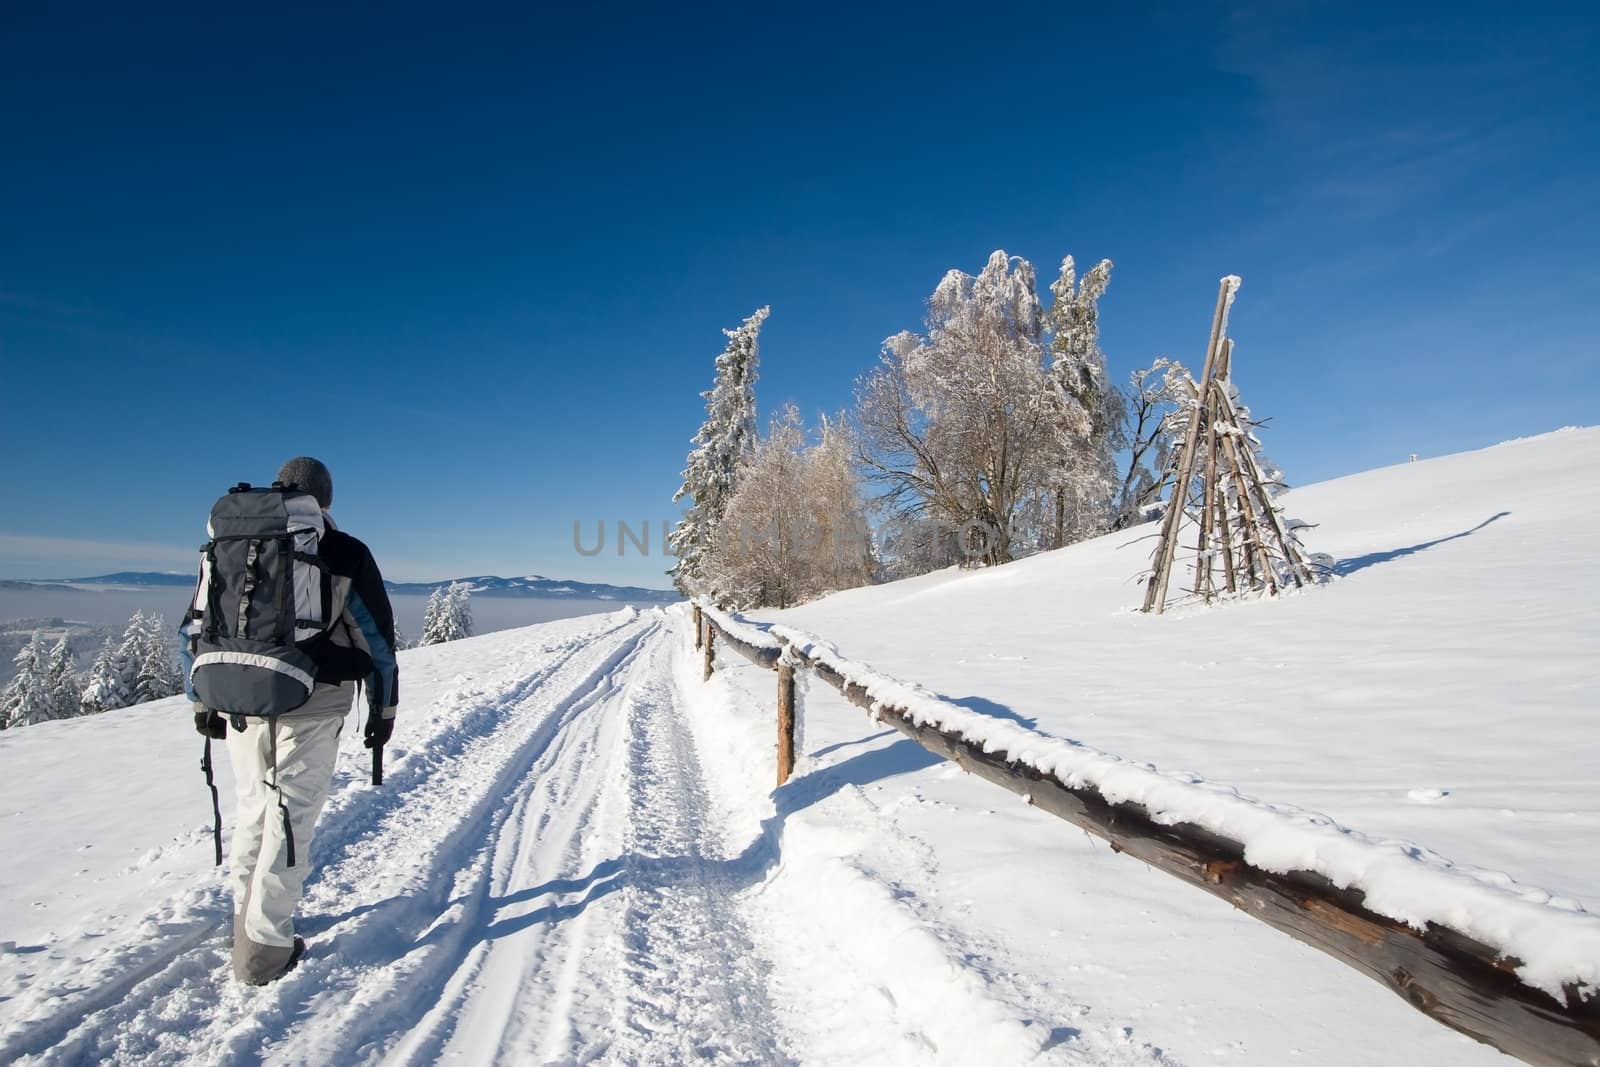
(378, 730)
(208, 723)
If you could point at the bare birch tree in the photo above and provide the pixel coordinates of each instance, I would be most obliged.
(795, 527)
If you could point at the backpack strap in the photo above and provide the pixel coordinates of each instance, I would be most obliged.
(251, 555)
(213, 609)
(285, 603)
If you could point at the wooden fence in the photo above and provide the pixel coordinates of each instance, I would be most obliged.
(1451, 978)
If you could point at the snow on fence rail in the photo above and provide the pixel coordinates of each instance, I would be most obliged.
(1506, 964)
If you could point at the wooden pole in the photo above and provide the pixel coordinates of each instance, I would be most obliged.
(711, 651)
(1155, 598)
(699, 627)
(1224, 533)
(785, 720)
(1257, 546)
(1203, 583)
(1297, 566)
(1213, 479)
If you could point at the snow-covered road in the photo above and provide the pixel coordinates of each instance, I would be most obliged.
(536, 882)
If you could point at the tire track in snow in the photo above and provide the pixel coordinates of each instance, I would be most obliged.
(545, 866)
(696, 987)
(166, 991)
(412, 978)
(616, 936)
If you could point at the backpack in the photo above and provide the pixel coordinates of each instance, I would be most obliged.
(263, 598)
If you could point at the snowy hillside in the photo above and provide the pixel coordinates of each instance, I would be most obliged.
(1443, 688)
(578, 854)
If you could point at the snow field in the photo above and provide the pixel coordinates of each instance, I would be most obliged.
(579, 856)
(1557, 940)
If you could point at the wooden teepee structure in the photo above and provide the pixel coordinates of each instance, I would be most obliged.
(1242, 542)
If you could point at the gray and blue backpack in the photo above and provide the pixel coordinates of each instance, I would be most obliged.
(263, 597)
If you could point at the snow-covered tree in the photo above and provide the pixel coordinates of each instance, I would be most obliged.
(66, 692)
(448, 616)
(1093, 411)
(106, 686)
(796, 526)
(725, 441)
(27, 698)
(1154, 431)
(459, 596)
(958, 424)
(842, 539)
(756, 557)
(156, 676)
(433, 618)
(131, 651)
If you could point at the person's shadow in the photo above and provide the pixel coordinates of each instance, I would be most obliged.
(1360, 563)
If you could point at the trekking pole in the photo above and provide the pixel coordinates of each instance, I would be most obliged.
(216, 803)
(377, 765)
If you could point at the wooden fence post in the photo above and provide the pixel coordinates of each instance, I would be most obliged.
(711, 652)
(785, 720)
(699, 627)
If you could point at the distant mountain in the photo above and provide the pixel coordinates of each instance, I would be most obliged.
(532, 586)
(535, 585)
(123, 578)
(17, 584)
(120, 580)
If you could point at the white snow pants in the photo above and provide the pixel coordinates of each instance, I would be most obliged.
(266, 890)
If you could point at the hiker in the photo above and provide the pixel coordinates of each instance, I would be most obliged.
(271, 673)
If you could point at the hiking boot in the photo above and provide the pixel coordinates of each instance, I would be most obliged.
(255, 977)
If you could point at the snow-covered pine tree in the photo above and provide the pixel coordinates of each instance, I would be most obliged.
(130, 654)
(448, 616)
(105, 687)
(66, 692)
(156, 677)
(459, 599)
(433, 618)
(1094, 412)
(725, 440)
(26, 699)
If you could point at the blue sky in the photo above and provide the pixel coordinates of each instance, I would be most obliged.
(479, 262)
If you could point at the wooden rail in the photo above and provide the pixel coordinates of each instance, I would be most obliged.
(1453, 979)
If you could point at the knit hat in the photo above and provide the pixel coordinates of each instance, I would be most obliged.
(312, 476)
